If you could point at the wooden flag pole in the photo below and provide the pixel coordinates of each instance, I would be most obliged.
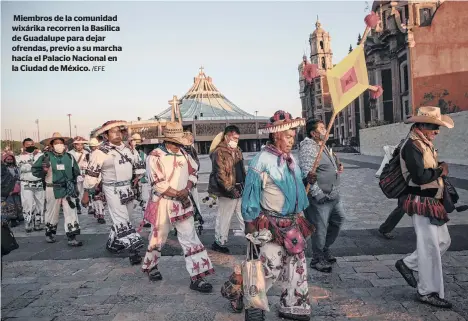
(322, 147)
(332, 120)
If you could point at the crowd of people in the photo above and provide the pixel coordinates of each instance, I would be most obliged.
(271, 200)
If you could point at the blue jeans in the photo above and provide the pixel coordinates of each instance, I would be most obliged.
(327, 219)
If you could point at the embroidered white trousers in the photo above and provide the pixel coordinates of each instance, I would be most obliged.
(432, 242)
(71, 223)
(98, 208)
(227, 207)
(197, 262)
(290, 271)
(122, 231)
(32, 201)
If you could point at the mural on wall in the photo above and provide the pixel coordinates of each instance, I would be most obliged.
(442, 100)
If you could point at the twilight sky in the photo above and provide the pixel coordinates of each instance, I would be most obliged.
(250, 49)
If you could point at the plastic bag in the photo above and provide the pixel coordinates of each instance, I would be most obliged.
(253, 276)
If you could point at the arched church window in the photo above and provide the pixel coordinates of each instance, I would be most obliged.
(321, 44)
(323, 63)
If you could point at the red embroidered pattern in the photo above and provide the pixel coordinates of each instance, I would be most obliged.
(203, 274)
(195, 250)
(181, 217)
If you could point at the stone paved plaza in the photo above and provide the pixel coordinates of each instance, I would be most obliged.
(47, 282)
(104, 289)
(365, 205)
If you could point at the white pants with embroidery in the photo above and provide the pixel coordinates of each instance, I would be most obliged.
(71, 223)
(290, 273)
(431, 243)
(122, 232)
(80, 187)
(227, 207)
(32, 201)
(197, 262)
(98, 208)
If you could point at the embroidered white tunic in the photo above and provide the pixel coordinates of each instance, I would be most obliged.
(25, 162)
(171, 170)
(115, 166)
(167, 170)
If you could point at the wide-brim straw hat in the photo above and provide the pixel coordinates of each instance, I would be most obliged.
(218, 138)
(93, 142)
(136, 137)
(79, 140)
(111, 124)
(431, 115)
(174, 133)
(280, 122)
(55, 136)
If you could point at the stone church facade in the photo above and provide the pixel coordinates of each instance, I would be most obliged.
(388, 60)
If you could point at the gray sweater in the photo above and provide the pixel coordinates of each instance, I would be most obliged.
(327, 177)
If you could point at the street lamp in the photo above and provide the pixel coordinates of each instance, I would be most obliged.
(38, 136)
(256, 126)
(69, 123)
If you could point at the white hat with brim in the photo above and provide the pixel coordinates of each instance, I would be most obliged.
(55, 136)
(93, 142)
(111, 124)
(174, 133)
(79, 140)
(136, 137)
(431, 115)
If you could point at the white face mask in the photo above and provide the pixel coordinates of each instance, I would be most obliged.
(232, 144)
(59, 148)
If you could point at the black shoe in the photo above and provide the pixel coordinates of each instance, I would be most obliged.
(329, 257)
(14, 223)
(101, 221)
(406, 273)
(154, 275)
(254, 315)
(321, 265)
(386, 235)
(50, 239)
(290, 316)
(218, 248)
(135, 259)
(74, 242)
(147, 225)
(201, 285)
(434, 300)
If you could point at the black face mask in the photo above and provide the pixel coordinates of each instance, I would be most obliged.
(30, 149)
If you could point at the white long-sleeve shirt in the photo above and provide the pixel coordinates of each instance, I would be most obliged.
(112, 164)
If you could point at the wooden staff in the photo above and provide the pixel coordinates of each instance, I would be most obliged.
(332, 120)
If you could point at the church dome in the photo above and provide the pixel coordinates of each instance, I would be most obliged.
(204, 101)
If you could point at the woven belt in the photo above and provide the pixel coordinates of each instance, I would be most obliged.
(279, 215)
(169, 198)
(55, 185)
(117, 184)
(25, 181)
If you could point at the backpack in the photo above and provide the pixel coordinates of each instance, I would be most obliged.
(391, 180)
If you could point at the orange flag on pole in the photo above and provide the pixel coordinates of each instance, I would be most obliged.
(348, 79)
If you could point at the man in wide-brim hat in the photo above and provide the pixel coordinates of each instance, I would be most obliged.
(423, 201)
(142, 188)
(119, 168)
(60, 171)
(273, 202)
(82, 158)
(172, 174)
